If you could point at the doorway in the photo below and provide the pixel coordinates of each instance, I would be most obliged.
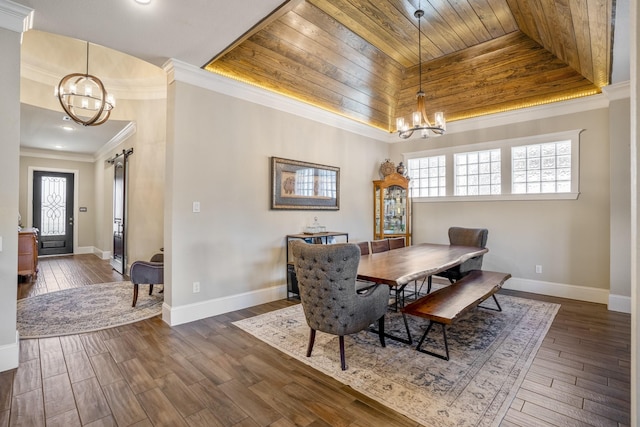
(53, 200)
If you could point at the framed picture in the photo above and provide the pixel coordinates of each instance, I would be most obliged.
(302, 185)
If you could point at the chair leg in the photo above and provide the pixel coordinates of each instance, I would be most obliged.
(343, 362)
(150, 289)
(312, 339)
(381, 330)
(135, 294)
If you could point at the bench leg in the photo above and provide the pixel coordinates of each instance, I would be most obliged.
(498, 308)
(444, 335)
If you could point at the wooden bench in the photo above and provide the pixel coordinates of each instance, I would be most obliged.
(446, 305)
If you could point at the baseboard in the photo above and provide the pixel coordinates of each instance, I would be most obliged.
(561, 290)
(10, 355)
(619, 303)
(84, 250)
(102, 254)
(200, 310)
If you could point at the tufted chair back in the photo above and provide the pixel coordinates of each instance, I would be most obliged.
(327, 282)
(466, 237)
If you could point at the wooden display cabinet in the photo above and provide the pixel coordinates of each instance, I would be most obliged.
(392, 208)
(28, 252)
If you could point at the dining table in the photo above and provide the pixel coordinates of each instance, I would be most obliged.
(399, 267)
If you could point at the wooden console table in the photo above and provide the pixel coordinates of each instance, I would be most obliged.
(28, 252)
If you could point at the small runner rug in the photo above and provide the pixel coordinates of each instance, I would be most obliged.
(86, 309)
(490, 353)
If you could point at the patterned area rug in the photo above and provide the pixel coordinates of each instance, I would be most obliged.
(490, 354)
(86, 309)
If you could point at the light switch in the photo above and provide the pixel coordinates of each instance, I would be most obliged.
(0, 243)
(196, 206)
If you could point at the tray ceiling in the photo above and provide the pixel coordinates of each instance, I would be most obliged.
(359, 58)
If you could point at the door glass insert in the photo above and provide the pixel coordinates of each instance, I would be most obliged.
(54, 206)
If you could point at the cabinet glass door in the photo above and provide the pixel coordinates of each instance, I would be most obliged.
(377, 211)
(395, 215)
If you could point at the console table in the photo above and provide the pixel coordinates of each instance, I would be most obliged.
(28, 252)
(319, 238)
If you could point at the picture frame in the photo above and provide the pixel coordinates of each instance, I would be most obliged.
(297, 185)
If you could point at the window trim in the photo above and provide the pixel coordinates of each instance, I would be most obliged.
(505, 147)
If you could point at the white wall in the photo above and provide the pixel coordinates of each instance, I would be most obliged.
(620, 193)
(218, 153)
(9, 167)
(635, 215)
(569, 238)
(145, 181)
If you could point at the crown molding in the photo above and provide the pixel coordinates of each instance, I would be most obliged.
(183, 72)
(618, 91)
(46, 154)
(15, 17)
(137, 89)
(118, 139)
(180, 71)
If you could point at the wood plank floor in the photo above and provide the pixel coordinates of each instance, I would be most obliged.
(209, 373)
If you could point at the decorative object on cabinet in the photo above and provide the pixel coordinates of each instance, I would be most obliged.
(401, 169)
(392, 208)
(28, 252)
(319, 238)
(301, 185)
(387, 168)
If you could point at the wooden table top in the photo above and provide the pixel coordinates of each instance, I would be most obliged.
(400, 266)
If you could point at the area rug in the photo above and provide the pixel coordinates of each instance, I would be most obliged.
(490, 353)
(85, 309)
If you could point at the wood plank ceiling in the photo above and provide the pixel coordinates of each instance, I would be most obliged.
(359, 58)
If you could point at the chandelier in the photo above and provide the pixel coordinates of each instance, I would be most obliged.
(84, 98)
(419, 119)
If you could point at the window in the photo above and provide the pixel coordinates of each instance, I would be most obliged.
(535, 167)
(477, 173)
(428, 177)
(541, 168)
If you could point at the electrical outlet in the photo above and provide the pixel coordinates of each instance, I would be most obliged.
(196, 287)
(539, 269)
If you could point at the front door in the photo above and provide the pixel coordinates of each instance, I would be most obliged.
(53, 211)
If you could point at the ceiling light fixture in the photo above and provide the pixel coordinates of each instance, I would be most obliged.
(143, 1)
(419, 117)
(84, 98)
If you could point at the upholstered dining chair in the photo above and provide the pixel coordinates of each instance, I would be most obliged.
(466, 237)
(378, 246)
(327, 283)
(364, 248)
(146, 272)
(396, 243)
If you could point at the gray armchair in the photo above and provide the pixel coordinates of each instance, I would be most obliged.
(466, 237)
(327, 282)
(147, 272)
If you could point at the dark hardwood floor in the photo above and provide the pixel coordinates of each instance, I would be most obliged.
(64, 272)
(209, 373)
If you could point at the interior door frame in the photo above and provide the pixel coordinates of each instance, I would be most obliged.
(76, 176)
